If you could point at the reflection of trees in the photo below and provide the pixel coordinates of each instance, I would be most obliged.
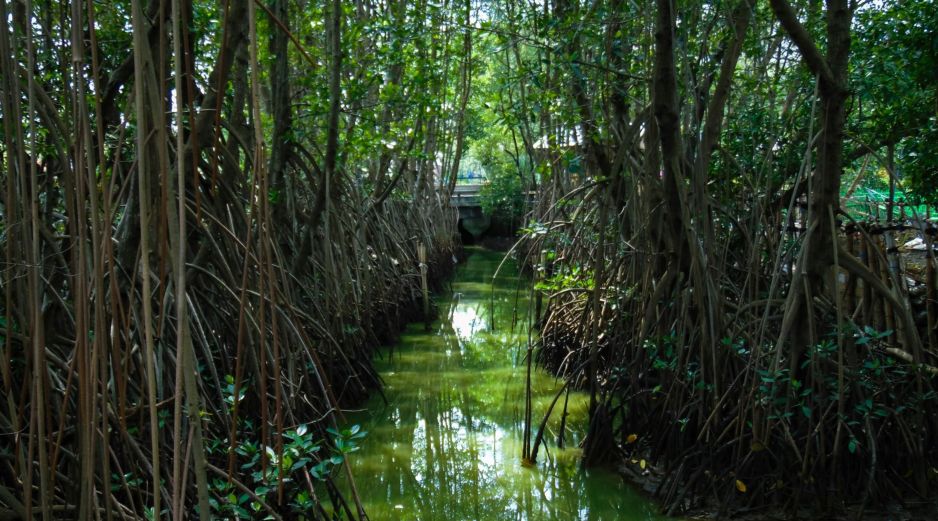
(456, 401)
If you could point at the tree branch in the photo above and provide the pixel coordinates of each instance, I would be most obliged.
(798, 34)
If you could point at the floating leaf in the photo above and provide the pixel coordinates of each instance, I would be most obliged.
(740, 486)
(631, 438)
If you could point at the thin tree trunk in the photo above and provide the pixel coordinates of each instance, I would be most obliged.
(466, 86)
(281, 147)
(141, 48)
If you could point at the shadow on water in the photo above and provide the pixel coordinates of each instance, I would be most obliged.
(447, 444)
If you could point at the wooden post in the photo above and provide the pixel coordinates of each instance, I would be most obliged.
(866, 298)
(538, 294)
(931, 295)
(889, 322)
(931, 301)
(422, 257)
(850, 302)
(893, 278)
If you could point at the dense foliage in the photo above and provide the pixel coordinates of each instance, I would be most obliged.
(703, 276)
(211, 216)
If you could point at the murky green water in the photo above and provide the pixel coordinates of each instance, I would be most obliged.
(447, 444)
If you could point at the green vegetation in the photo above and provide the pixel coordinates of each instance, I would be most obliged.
(211, 212)
(445, 437)
(199, 189)
(722, 191)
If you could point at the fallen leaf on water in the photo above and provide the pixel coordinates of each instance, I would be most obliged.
(740, 486)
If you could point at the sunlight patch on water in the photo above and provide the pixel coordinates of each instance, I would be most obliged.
(466, 321)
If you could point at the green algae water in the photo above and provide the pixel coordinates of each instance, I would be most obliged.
(446, 443)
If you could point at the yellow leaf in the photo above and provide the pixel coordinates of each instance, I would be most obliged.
(740, 486)
(642, 464)
(631, 438)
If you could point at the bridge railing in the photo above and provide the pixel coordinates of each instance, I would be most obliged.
(470, 195)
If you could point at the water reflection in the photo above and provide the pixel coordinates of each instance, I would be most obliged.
(447, 443)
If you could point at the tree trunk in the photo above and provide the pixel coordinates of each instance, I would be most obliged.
(817, 255)
(281, 147)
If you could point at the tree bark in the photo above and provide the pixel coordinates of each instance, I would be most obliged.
(817, 255)
(281, 147)
(666, 114)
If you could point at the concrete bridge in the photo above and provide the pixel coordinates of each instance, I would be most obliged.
(472, 220)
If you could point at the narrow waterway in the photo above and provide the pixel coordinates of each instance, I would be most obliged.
(446, 445)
